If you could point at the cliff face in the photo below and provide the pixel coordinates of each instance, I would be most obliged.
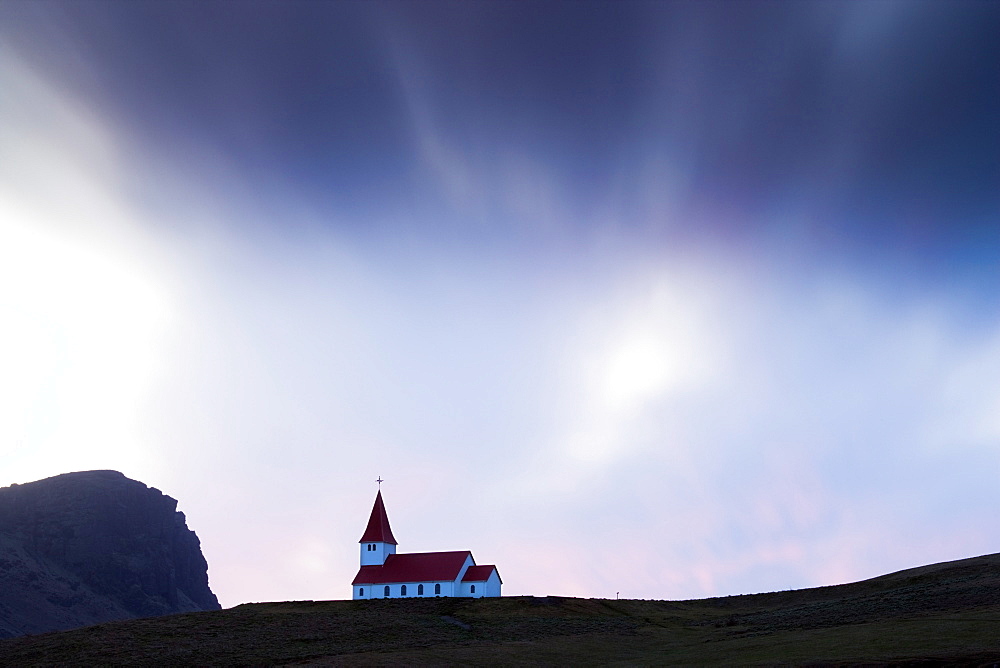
(84, 548)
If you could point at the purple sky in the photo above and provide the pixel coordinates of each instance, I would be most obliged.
(670, 299)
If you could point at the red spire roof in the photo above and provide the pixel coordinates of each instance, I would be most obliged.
(378, 530)
(480, 573)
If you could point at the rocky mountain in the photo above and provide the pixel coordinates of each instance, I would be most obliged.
(89, 547)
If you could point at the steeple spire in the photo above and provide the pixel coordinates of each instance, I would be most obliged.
(378, 530)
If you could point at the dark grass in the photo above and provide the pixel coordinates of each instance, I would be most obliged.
(942, 614)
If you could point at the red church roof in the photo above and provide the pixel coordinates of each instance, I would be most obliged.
(418, 567)
(480, 574)
(378, 530)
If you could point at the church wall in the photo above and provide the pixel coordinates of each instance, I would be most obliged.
(491, 587)
(448, 588)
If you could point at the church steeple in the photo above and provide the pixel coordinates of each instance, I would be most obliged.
(378, 530)
(377, 542)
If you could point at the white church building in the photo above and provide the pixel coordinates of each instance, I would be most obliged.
(385, 574)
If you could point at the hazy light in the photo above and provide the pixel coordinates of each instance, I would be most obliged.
(84, 313)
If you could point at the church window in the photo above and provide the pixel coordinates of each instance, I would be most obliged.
(437, 589)
(387, 591)
(361, 592)
(420, 590)
(472, 589)
(402, 590)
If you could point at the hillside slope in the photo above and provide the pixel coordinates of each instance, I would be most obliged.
(82, 548)
(943, 613)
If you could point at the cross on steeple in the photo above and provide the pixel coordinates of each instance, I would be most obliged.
(380, 481)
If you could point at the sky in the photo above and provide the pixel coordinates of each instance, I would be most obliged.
(660, 300)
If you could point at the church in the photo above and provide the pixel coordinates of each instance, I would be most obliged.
(385, 574)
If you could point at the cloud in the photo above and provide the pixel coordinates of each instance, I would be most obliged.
(596, 386)
(85, 306)
(824, 427)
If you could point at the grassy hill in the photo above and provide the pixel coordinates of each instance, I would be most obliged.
(944, 613)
